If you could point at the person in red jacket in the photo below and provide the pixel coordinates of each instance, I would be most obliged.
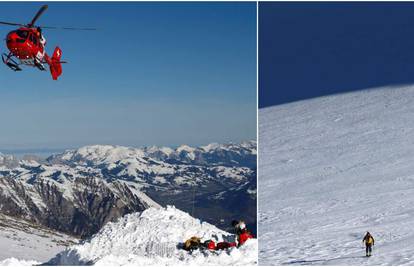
(209, 244)
(242, 233)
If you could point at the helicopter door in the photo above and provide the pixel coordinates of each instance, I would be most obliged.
(34, 40)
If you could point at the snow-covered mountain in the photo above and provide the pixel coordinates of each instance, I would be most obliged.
(332, 168)
(232, 155)
(180, 176)
(78, 191)
(151, 167)
(8, 160)
(153, 238)
(71, 200)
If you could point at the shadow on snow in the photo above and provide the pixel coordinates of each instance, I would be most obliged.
(307, 262)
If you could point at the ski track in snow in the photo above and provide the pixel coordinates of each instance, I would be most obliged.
(332, 168)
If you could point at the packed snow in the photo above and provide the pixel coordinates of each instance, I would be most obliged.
(332, 168)
(24, 243)
(17, 262)
(153, 237)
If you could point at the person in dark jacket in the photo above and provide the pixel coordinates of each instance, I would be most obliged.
(369, 243)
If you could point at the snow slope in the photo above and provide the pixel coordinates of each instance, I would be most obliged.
(332, 168)
(17, 262)
(151, 238)
(23, 240)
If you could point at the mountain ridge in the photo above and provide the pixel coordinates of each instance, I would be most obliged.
(78, 191)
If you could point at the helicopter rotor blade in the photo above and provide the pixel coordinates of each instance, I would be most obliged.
(38, 14)
(12, 23)
(68, 28)
(36, 17)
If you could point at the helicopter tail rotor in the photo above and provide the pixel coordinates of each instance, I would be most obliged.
(55, 63)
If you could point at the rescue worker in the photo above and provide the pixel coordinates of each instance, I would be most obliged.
(242, 235)
(238, 225)
(241, 232)
(369, 242)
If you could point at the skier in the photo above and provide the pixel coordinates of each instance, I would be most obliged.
(369, 242)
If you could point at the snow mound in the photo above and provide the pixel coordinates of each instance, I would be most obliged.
(16, 262)
(153, 237)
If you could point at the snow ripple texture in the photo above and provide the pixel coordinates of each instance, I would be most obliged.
(332, 168)
(152, 238)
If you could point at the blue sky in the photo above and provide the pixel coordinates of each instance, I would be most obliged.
(153, 74)
(314, 49)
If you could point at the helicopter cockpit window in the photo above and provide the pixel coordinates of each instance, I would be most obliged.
(22, 34)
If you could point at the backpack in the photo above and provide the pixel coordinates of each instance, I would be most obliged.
(192, 243)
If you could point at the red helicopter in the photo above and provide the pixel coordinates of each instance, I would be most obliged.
(27, 47)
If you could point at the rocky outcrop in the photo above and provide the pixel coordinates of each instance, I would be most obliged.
(79, 208)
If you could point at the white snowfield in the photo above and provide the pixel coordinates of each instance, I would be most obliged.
(332, 168)
(28, 242)
(17, 262)
(152, 238)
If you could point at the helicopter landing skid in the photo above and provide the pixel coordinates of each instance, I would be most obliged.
(12, 64)
(39, 65)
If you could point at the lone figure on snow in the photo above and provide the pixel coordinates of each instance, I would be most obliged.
(369, 242)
